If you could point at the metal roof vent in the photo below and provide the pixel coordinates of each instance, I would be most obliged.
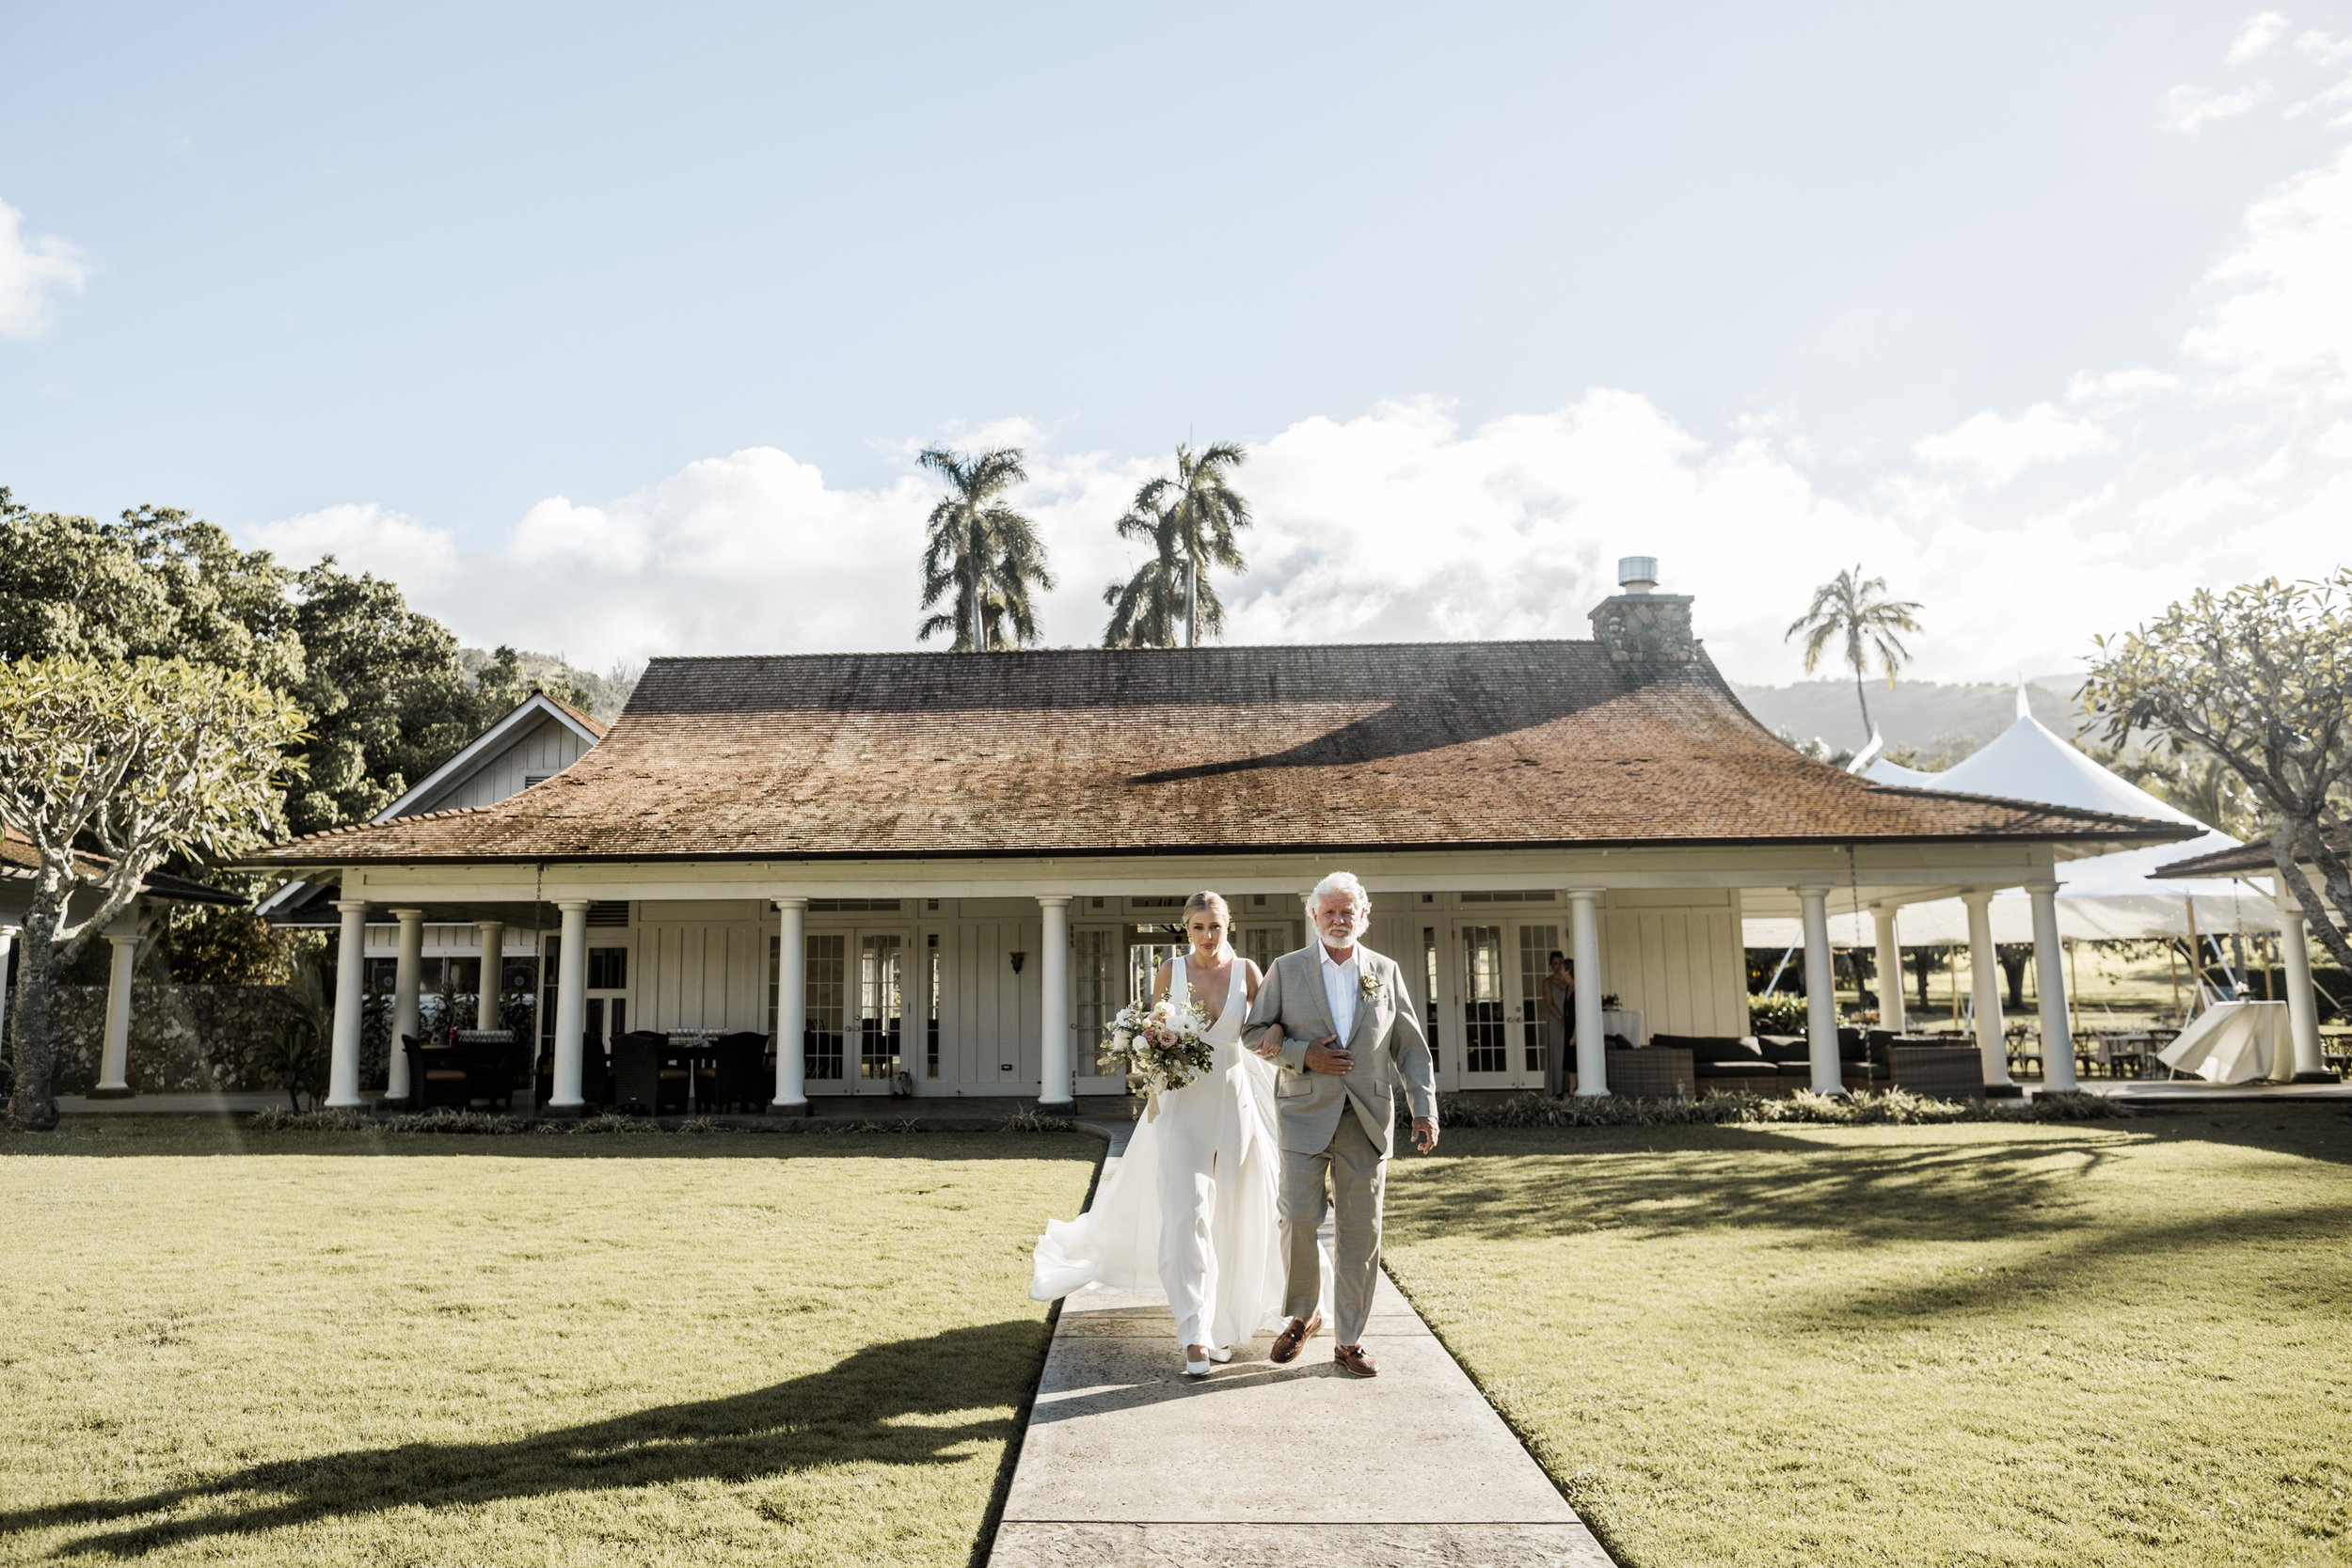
(1637, 574)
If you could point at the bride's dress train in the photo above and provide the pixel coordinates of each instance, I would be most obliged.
(1191, 1205)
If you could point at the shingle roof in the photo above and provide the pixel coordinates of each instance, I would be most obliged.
(2247, 860)
(19, 859)
(588, 721)
(1096, 751)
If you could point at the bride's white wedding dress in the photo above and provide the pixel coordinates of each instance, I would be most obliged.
(1191, 1204)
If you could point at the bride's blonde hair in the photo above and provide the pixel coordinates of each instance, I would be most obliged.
(1212, 903)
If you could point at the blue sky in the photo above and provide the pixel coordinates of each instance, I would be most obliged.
(613, 333)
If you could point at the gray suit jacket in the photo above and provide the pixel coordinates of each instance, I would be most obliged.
(1387, 1040)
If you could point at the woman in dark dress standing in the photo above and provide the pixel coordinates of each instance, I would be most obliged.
(1559, 1027)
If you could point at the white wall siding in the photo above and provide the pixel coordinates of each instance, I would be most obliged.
(987, 1015)
(547, 748)
(1675, 958)
(701, 975)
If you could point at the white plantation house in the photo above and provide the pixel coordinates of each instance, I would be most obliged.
(954, 867)
(540, 737)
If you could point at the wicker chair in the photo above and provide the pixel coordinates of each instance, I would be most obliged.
(436, 1076)
(734, 1073)
(643, 1080)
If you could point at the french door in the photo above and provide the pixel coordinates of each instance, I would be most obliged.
(856, 1041)
(1499, 968)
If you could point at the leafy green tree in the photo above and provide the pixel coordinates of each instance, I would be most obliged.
(157, 583)
(1191, 520)
(386, 696)
(1854, 610)
(981, 554)
(2259, 679)
(142, 760)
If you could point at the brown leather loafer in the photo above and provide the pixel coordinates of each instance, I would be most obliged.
(1355, 1361)
(1293, 1337)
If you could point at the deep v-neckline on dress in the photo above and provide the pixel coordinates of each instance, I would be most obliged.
(1232, 977)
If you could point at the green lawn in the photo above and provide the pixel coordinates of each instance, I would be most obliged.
(311, 1350)
(2105, 1344)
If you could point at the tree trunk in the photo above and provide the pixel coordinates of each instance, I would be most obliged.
(1923, 965)
(1863, 697)
(2012, 959)
(2323, 925)
(1192, 604)
(33, 1105)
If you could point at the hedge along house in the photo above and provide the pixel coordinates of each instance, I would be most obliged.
(20, 864)
(530, 744)
(956, 867)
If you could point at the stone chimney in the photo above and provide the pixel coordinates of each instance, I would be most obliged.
(1641, 628)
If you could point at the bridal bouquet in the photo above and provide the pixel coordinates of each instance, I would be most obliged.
(1161, 1047)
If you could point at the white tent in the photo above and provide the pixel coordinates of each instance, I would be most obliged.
(2103, 897)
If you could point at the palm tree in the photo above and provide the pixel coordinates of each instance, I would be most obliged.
(1145, 608)
(1857, 610)
(983, 551)
(1191, 520)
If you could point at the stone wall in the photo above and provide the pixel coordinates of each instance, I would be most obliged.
(185, 1039)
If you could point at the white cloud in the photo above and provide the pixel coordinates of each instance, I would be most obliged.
(2127, 388)
(2260, 30)
(34, 268)
(1995, 449)
(2287, 316)
(2318, 47)
(365, 538)
(2188, 108)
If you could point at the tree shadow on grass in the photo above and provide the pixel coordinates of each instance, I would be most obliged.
(1805, 1191)
(884, 1403)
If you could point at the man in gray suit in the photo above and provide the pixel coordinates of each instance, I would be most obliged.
(1350, 1032)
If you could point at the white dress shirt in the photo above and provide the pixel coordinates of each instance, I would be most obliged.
(1341, 985)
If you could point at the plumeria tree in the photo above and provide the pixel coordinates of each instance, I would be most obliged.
(980, 555)
(134, 762)
(1854, 613)
(2260, 679)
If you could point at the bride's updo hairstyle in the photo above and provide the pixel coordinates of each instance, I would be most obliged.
(1212, 903)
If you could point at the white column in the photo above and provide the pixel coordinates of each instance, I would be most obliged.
(407, 974)
(571, 1005)
(8, 945)
(2309, 1066)
(792, 1007)
(2049, 957)
(1890, 968)
(491, 959)
(351, 962)
(114, 1057)
(1984, 988)
(1592, 1047)
(1820, 992)
(1053, 1013)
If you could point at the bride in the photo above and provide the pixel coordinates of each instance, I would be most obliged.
(1192, 1202)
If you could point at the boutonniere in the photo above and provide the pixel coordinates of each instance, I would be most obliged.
(1369, 987)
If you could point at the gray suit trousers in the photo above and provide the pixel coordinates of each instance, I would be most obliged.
(1357, 1171)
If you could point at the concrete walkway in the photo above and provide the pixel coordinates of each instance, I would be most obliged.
(1128, 1460)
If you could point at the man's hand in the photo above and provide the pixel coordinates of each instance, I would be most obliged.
(1425, 1135)
(1322, 1058)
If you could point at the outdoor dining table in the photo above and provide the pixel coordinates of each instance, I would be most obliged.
(2234, 1043)
(691, 1047)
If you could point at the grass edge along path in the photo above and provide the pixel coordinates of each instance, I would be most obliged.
(1958, 1344)
(288, 1348)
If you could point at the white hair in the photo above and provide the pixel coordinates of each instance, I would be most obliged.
(1339, 881)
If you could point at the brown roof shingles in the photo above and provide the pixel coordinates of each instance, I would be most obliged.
(1095, 751)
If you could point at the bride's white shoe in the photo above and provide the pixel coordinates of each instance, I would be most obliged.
(1220, 1355)
(1196, 1369)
